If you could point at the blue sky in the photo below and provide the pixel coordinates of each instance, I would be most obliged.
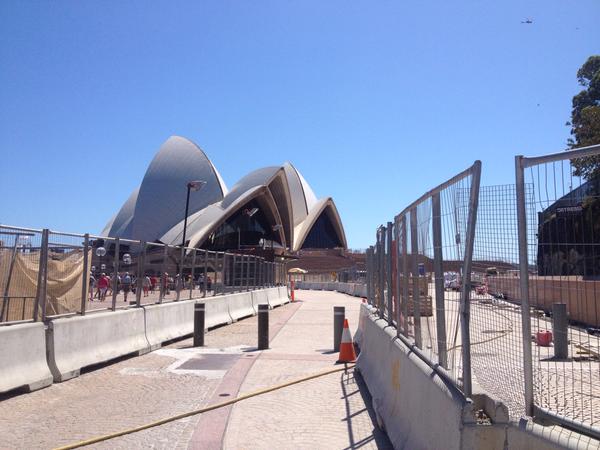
(374, 102)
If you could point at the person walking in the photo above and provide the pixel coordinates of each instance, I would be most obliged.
(126, 285)
(91, 287)
(103, 284)
(146, 283)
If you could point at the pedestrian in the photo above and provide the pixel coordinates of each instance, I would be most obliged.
(208, 283)
(91, 287)
(126, 284)
(146, 283)
(103, 283)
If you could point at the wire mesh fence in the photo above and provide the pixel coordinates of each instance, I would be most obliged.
(48, 274)
(560, 287)
(499, 286)
(419, 273)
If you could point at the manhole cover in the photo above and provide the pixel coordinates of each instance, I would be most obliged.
(210, 362)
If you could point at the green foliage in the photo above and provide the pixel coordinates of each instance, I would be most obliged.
(585, 118)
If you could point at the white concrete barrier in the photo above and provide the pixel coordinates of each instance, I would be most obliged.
(217, 311)
(419, 409)
(240, 305)
(283, 293)
(23, 357)
(81, 341)
(259, 298)
(274, 297)
(169, 321)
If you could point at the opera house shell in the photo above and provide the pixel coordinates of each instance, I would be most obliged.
(272, 206)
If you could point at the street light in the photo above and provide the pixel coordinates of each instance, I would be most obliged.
(191, 186)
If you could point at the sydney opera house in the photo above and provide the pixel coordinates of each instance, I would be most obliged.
(272, 209)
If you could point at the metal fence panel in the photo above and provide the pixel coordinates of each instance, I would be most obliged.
(559, 264)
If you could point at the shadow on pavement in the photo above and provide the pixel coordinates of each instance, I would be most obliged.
(352, 383)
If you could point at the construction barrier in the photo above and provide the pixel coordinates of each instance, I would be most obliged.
(80, 341)
(23, 357)
(168, 321)
(240, 305)
(419, 408)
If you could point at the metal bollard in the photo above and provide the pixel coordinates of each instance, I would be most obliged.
(263, 327)
(199, 321)
(559, 330)
(339, 314)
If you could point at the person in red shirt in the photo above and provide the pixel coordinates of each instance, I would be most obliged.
(103, 283)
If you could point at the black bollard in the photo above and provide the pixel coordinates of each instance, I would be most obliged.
(560, 325)
(263, 327)
(199, 316)
(339, 314)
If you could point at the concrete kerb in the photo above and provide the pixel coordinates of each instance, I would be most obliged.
(23, 357)
(81, 341)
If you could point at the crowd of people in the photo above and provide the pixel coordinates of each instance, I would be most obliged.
(103, 285)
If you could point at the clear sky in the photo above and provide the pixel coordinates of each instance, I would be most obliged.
(374, 102)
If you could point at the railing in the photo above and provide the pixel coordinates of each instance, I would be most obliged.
(499, 287)
(46, 274)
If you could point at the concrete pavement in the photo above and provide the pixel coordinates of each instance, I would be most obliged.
(329, 412)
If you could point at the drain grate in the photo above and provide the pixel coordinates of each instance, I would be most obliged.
(210, 362)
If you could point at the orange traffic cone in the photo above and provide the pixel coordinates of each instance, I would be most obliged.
(347, 353)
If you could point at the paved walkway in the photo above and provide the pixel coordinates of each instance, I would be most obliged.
(328, 412)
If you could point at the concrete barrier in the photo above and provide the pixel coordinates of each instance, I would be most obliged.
(217, 311)
(283, 293)
(419, 409)
(168, 321)
(274, 297)
(81, 341)
(240, 305)
(23, 357)
(259, 298)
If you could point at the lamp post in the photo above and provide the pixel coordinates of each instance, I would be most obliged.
(191, 186)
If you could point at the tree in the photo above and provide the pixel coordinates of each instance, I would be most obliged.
(585, 118)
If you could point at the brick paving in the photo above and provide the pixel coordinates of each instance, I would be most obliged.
(329, 412)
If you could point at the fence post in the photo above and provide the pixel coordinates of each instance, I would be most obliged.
(416, 294)
(381, 269)
(369, 270)
(140, 275)
(255, 261)
(192, 274)
(466, 284)
(524, 282)
(179, 276)
(40, 296)
(438, 273)
(389, 265)
(162, 279)
(115, 279)
(205, 273)
(84, 276)
(405, 276)
(398, 290)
